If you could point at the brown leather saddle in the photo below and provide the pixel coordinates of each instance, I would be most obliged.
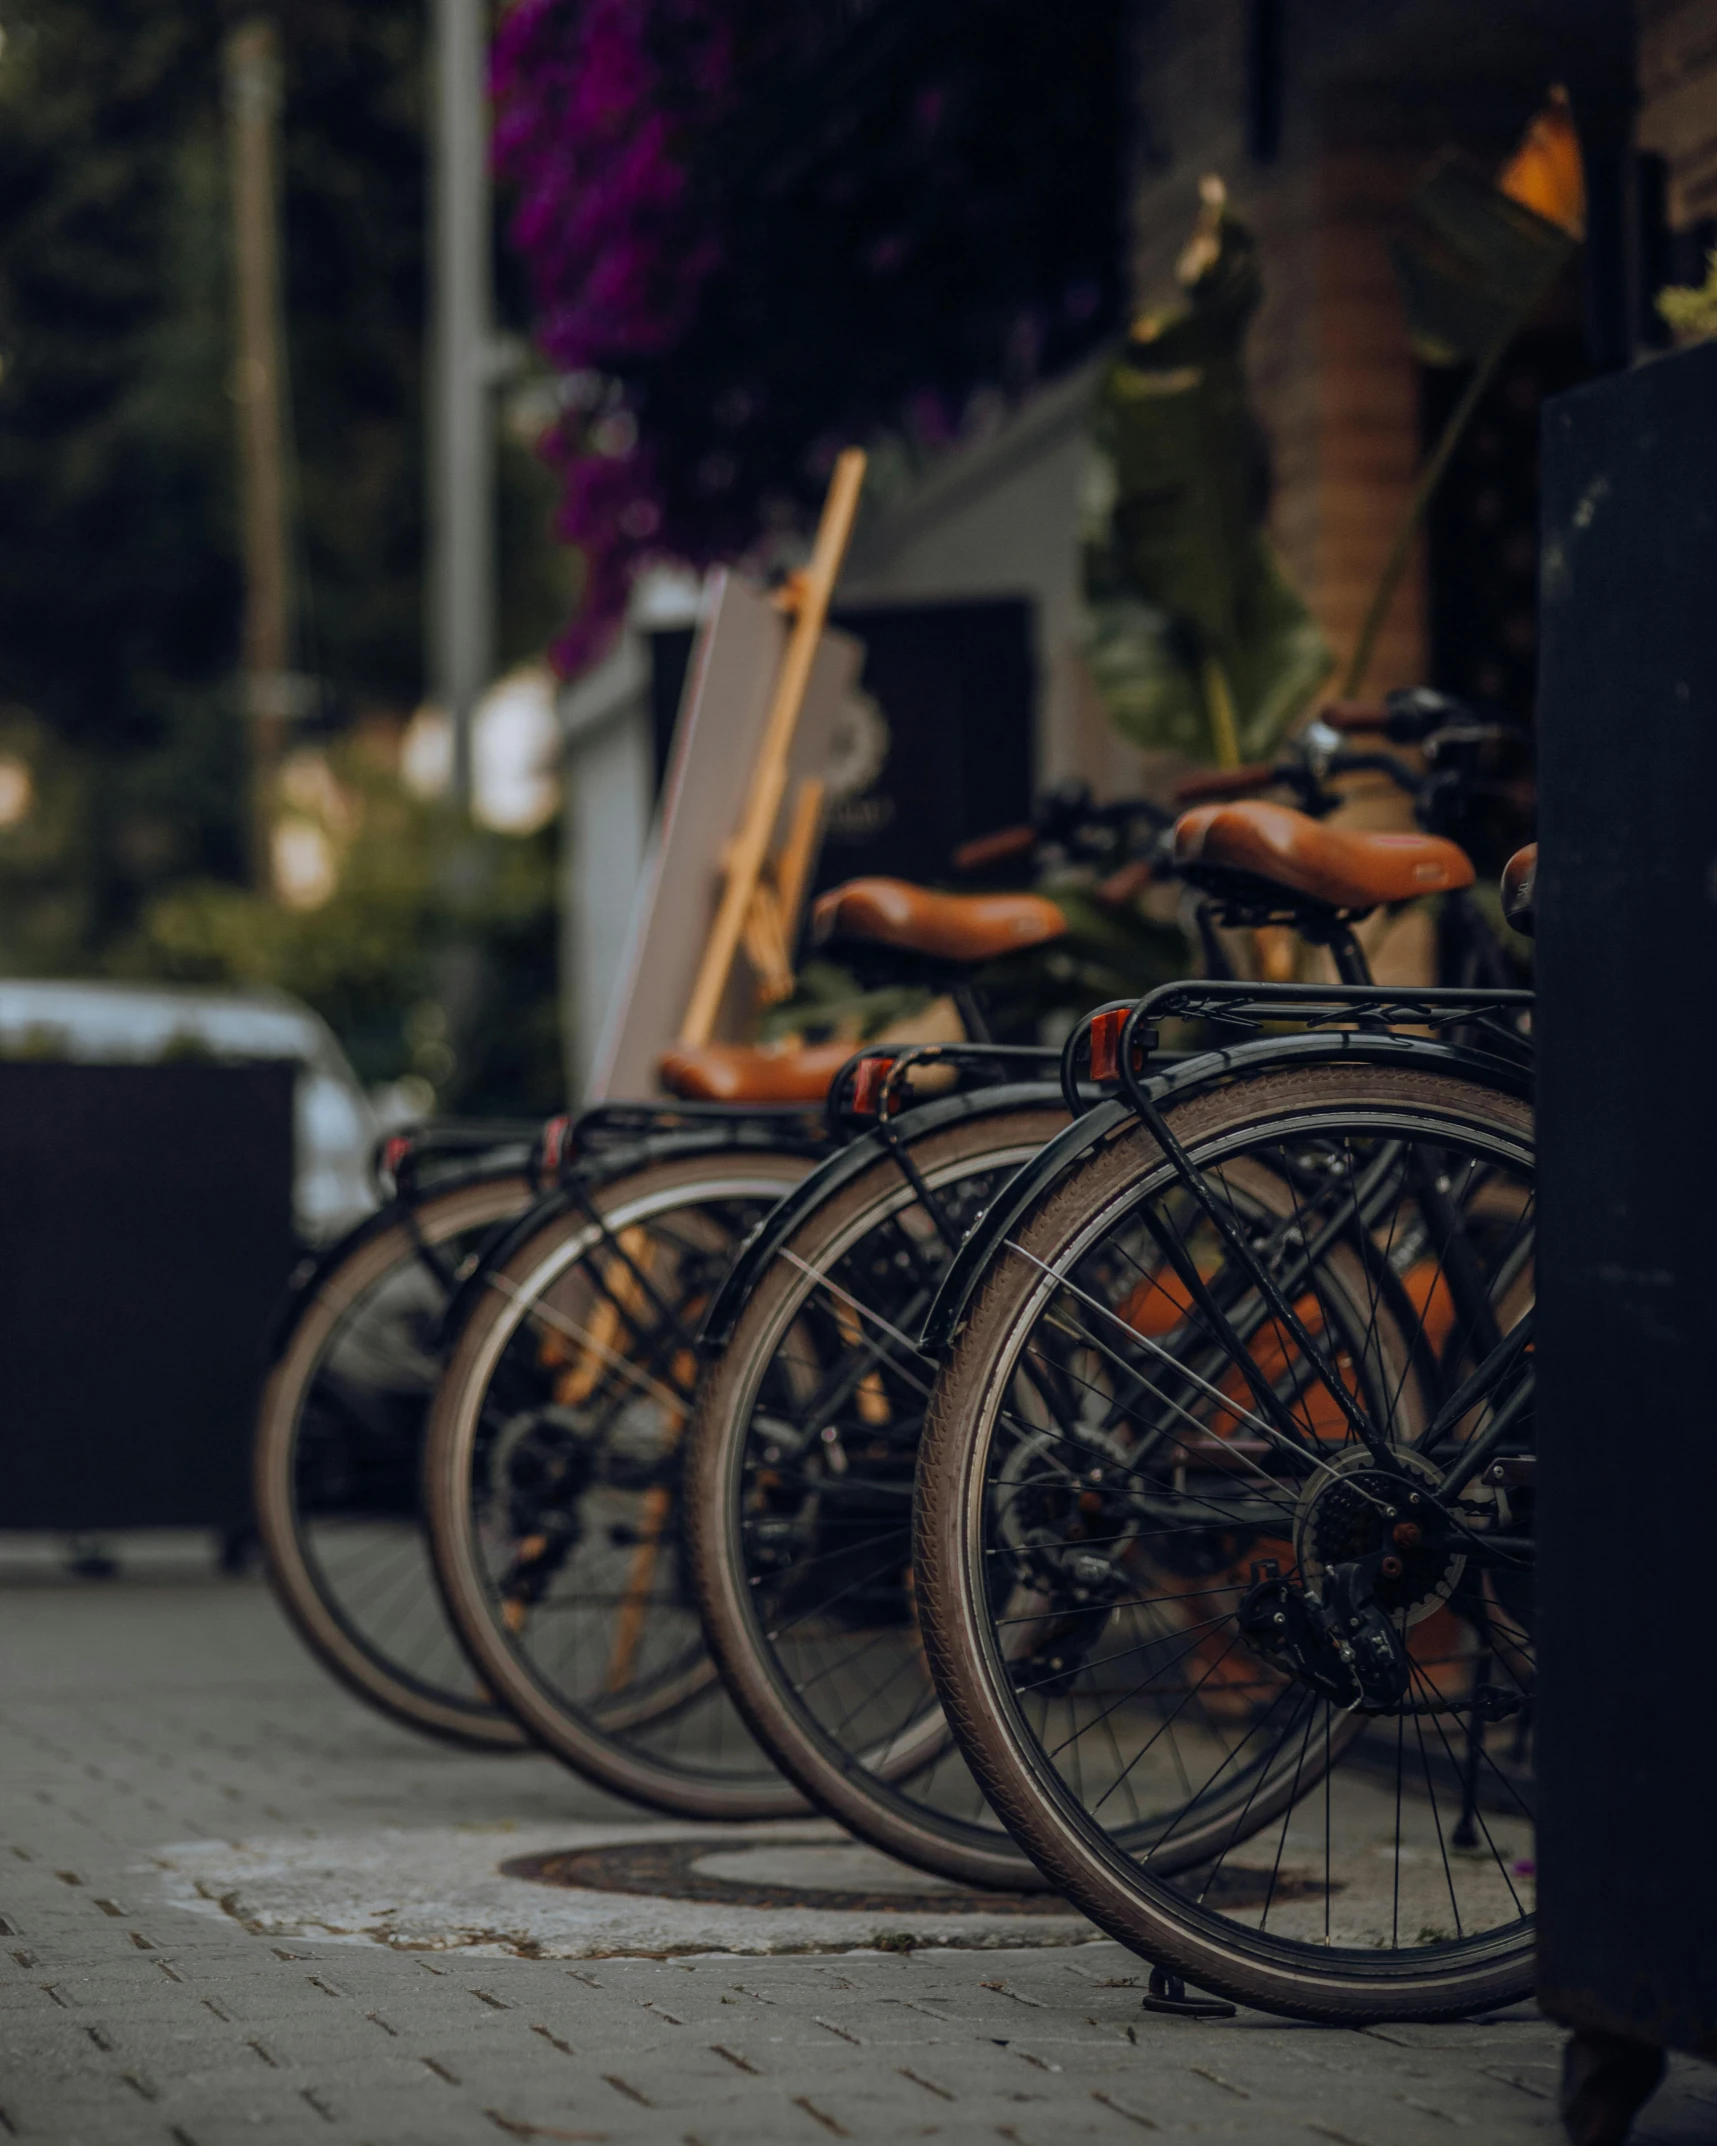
(1258, 857)
(941, 927)
(950, 929)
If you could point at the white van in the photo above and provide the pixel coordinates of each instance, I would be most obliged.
(335, 1128)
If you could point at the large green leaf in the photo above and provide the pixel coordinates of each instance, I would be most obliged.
(1477, 268)
(1179, 578)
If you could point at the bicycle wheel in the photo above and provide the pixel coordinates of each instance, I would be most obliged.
(336, 1457)
(1189, 1550)
(798, 1490)
(552, 1481)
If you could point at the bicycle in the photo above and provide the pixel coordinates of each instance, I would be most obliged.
(553, 1461)
(353, 1360)
(800, 1455)
(1224, 1501)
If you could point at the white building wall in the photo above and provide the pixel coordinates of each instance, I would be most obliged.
(609, 780)
(1000, 518)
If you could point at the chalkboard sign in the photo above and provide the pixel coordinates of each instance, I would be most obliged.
(935, 746)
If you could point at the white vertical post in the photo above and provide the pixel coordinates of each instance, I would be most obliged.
(609, 782)
(253, 108)
(462, 518)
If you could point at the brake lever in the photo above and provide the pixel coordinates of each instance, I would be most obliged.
(1390, 764)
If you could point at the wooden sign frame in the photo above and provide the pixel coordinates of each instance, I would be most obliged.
(741, 816)
(771, 919)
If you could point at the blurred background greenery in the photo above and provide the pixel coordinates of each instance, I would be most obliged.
(971, 187)
(123, 810)
(910, 215)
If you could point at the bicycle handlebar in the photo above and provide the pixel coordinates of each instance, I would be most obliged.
(1304, 773)
(1067, 818)
(1349, 716)
(983, 852)
(1414, 713)
(1216, 785)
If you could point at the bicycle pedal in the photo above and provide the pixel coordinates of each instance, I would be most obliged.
(1167, 1993)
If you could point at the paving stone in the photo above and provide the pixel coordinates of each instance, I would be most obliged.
(167, 1733)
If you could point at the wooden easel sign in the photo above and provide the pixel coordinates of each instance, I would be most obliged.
(737, 831)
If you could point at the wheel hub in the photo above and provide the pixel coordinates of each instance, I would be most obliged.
(1357, 1510)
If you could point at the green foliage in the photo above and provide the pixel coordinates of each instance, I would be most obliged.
(47, 873)
(1691, 309)
(1179, 577)
(117, 589)
(829, 1001)
(1483, 259)
(120, 588)
(434, 957)
(1478, 267)
(1108, 952)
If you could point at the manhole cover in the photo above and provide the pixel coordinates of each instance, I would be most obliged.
(770, 1874)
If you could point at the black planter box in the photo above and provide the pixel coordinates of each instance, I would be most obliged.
(145, 1237)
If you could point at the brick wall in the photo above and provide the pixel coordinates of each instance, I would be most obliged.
(1370, 91)
(1678, 101)
(1333, 379)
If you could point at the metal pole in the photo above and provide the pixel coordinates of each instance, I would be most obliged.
(462, 517)
(253, 106)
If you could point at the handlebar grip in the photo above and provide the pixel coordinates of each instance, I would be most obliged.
(1221, 783)
(1127, 884)
(1520, 890)
(1003, 847)
(1355, 715)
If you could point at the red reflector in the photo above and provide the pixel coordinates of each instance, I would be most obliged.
(867, 1086)
(555, 1141)
(1106, 1032)
(395, 1149)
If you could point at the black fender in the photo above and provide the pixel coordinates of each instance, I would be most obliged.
(841, 1168)
(602, 1168)
(314, 1269)
(1192, 1076)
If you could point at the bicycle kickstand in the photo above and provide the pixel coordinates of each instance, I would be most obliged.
(1167, 1993)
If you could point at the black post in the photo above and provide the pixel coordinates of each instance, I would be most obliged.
(1627, 1271)
(1598, 56)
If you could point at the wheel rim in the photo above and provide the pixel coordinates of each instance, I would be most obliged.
(815, 1526)
(338, 1465)
(1268, 1886)
(565, 1422)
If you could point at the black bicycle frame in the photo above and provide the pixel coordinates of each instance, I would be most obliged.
(1318, 1006)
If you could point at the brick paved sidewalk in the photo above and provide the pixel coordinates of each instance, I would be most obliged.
(176, 1723)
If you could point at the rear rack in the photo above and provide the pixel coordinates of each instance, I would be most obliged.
(400, 1158)
(1125, 1031)
(605, 1127)
(873, 1085)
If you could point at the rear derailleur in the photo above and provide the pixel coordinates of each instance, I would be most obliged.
(547, 1462)
(1342, 1644)
(1077, 1588)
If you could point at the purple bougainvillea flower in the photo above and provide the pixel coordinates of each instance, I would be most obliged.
(596, 104)
(754, 231)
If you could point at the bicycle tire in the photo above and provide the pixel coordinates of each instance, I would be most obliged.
(434, 1691)
(849, 1781)
(1434, 1978)
(604, 1738)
